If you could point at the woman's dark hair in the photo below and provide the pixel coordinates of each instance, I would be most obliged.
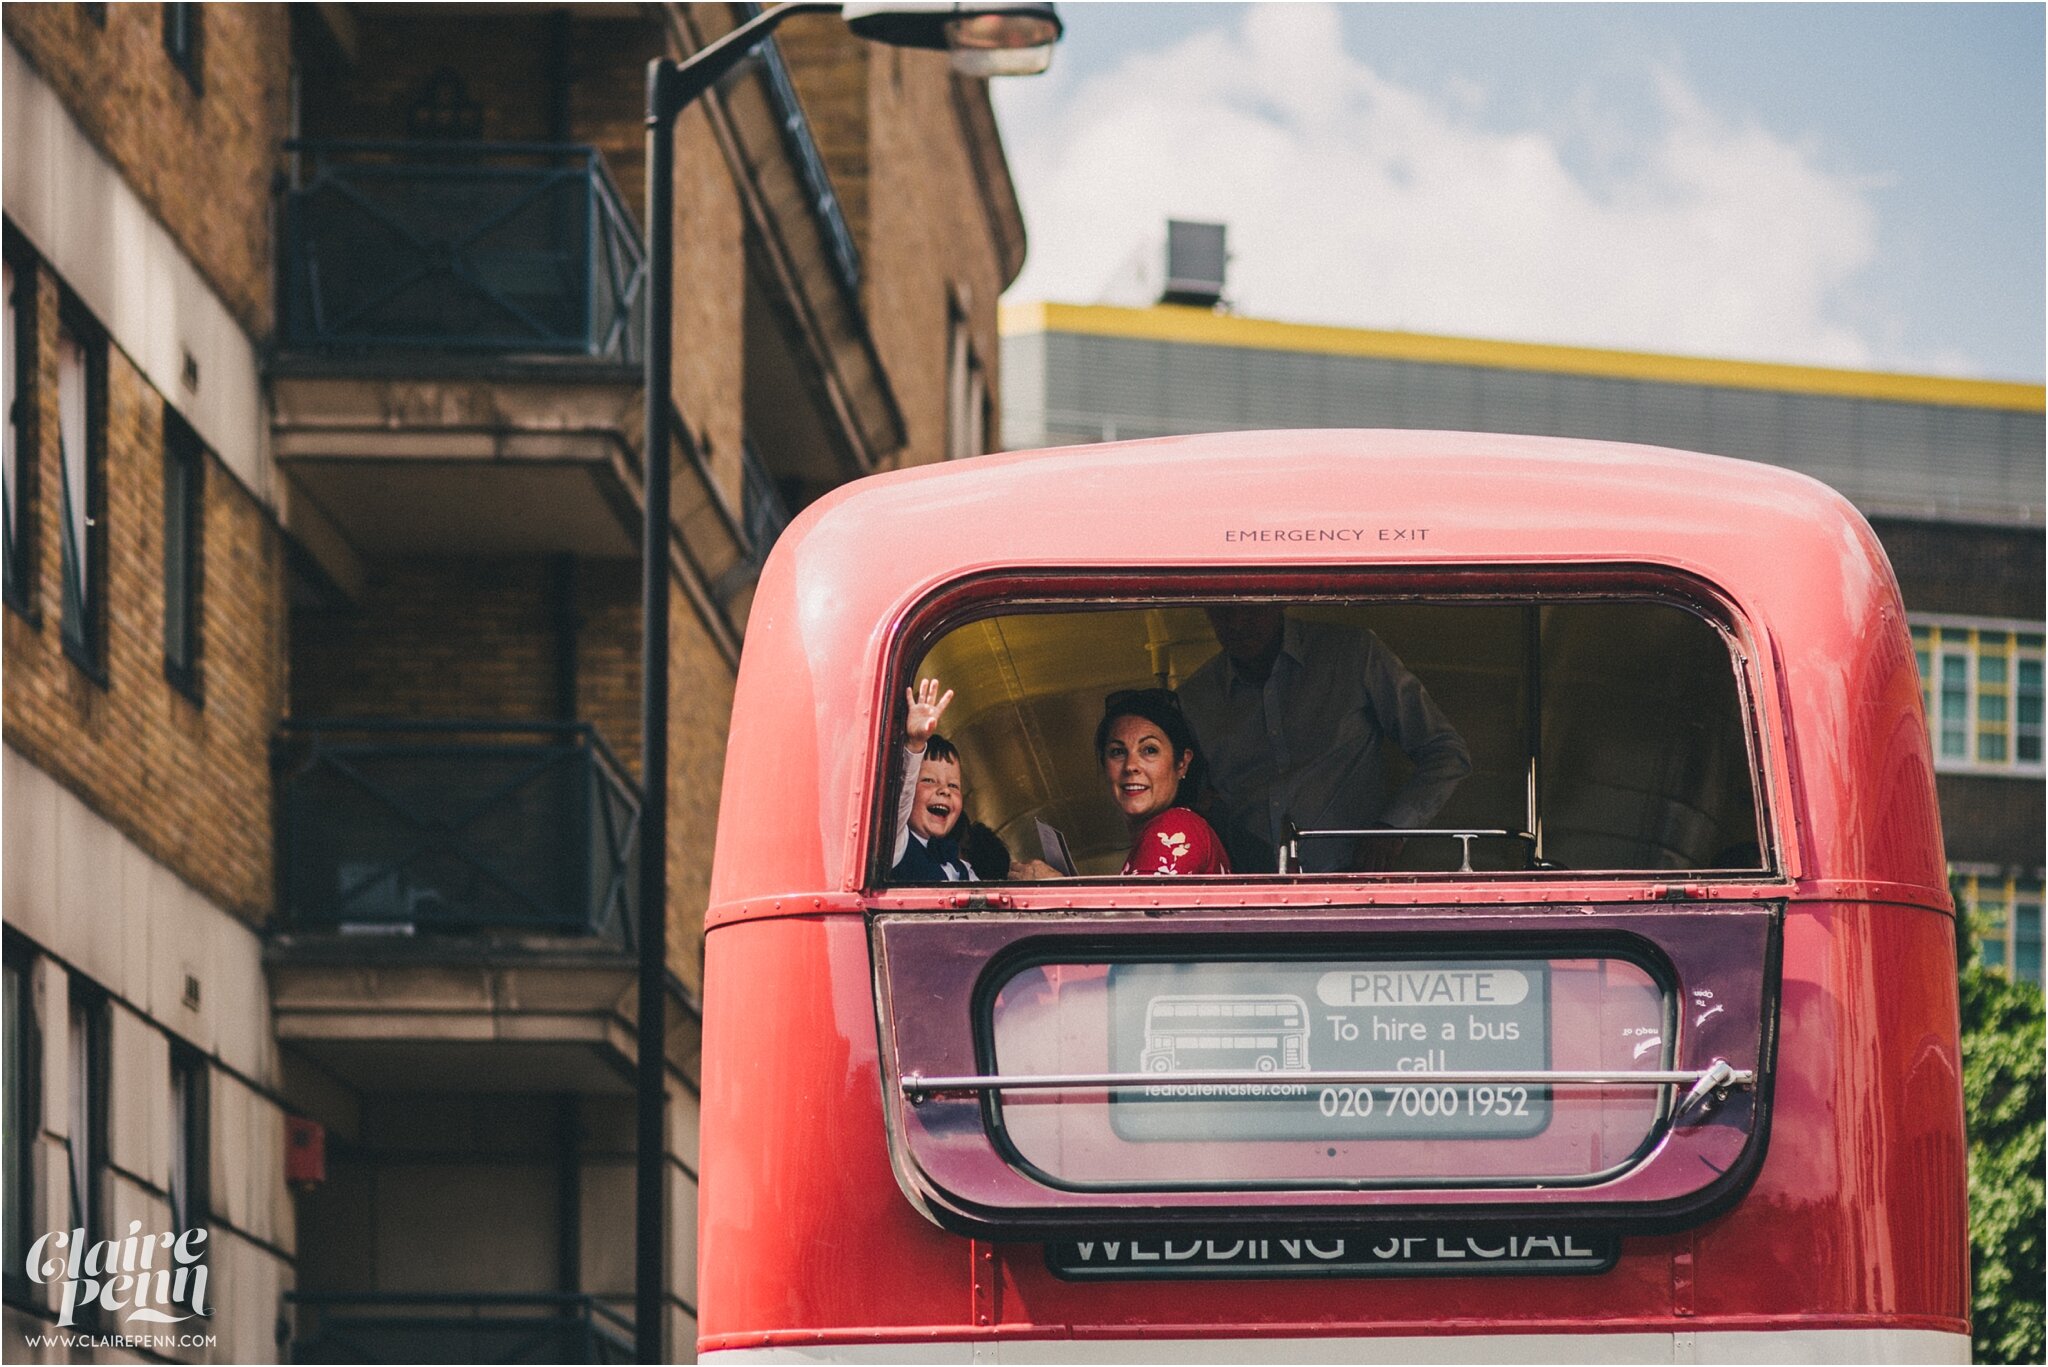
(1161, 707)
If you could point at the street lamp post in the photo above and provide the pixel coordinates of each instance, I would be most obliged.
(984, 40)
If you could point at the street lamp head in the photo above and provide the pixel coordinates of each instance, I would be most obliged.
(984, 39)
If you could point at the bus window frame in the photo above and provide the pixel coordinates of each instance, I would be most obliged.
(1017, 591)
(1602, 944)
(953, 1171)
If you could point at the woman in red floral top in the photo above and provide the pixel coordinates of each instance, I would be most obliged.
(1153, 766)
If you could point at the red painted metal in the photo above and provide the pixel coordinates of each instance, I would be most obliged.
(1855, 1215)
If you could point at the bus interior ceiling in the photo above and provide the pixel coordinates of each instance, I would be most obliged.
(1644, 760)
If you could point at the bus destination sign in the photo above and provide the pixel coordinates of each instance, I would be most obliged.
(1398, 1251)
(1269, 1020)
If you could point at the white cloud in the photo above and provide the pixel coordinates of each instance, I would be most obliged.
(1355, 200)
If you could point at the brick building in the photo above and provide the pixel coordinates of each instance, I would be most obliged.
(322, 613)
(1948, 471)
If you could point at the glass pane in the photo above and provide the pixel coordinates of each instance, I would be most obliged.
(1954, 705)
(2029, 640)
(2030, 675)
(2026, 941)
(1991, 747)
(1952, 745)
(1991, 708)
(1993, 640)
(2027, 748)
(1991, 669)
(1954, 671)
(1921, 633)
(1991, 952)
(1267, 1020)
(178, 510)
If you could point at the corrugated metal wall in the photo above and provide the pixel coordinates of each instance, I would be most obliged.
(1899, 459)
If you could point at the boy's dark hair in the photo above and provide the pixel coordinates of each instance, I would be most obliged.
(939, 748)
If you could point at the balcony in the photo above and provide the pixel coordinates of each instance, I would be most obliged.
(398, 828)
(499, 248)
(456, 906)
(482, 1328)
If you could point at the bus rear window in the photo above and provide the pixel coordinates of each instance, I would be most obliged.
(1606, 733)
(1400, 1071)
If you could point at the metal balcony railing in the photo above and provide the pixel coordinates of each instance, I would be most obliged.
(403, 828)
(460, 246)
(479, 1328)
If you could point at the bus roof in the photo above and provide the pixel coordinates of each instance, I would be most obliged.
(1840, 693)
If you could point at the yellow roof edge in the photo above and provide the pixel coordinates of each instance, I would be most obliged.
(1200, 327)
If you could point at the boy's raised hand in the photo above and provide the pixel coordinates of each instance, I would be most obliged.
(927, 705)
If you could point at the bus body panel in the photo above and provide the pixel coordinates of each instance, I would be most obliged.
(1838, 1227)
(1850, 1243)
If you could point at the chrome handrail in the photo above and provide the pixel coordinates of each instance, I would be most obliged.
(1290, 852)
(1718, 1076)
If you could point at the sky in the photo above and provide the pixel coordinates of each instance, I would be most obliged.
(1855, 185)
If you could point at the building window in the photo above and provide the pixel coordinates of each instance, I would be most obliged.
(87, 1133)
(1980, 682)
(17, 472)
(966, 391)
(191, 1138)
(20, 1117)
(184, 472)
(182, 33)
(82, 441)
(2008, 916)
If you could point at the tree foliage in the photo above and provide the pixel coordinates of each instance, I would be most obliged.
(2005, 1053)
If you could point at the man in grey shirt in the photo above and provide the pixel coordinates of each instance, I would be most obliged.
(1292, 717)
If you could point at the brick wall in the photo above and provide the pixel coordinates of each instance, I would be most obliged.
(120, 84)
(188, 780)
(928, 241)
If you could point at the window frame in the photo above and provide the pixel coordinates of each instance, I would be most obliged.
(1940, 640)
(1014, 592)
(90, 1043)
(184, 34)
(84, 626)
(24, 345)
(967, 388)
(184, 511)
(191, 1168)
(952, 1164)
(22, 1116)
(2010, 900)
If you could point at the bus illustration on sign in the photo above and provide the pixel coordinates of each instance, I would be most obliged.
(1260, 1033)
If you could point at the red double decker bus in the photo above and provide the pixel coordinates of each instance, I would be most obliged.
(1642, 1048)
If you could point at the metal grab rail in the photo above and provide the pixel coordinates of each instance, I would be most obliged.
(1290, 852)
(1717, 1076)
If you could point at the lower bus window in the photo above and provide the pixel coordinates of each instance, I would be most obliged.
(1608, 734)
(1274, 1018)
